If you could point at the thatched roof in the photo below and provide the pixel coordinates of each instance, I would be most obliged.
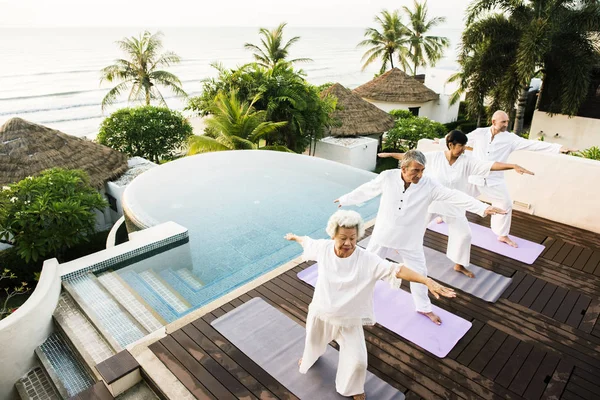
(27, 149)
(357, 116)
(396, 87)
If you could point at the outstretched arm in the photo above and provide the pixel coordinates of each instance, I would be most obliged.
(397, 156)
(498, 166)
(363, 193)
(294, 238)
(462, 200)
(435, 288)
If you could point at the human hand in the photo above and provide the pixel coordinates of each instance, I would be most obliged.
(290, 236)
(520, 170)
(567, 150)
(494, 210)
(438, 290)
(337, 201)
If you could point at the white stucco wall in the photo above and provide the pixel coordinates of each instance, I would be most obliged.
(564, 188)
(436, 79)
(577, 132)
(357, 152)
(27, 328)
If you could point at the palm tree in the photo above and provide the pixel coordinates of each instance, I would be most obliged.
(273, 48)
(424, 49)
(140, 72)
(234, 125)
(383, 44)
(551, 38)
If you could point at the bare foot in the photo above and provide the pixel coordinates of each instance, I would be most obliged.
(299, 362)
(507, 240)
(361, 396)
(433, 317)
(460, 268)
(439, 220)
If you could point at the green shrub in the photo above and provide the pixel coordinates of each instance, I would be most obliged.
(593, 153)
(400, 114)
(154, 133)
(408, 131)
(47, 214)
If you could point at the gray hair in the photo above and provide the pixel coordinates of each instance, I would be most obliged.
(345, 219)
(412, 155)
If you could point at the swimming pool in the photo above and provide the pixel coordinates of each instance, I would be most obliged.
(237, 206)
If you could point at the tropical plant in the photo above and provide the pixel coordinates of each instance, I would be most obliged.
(140, 72)
(18, 290)
(593, 153)
(234, 125)
(387, 42)
(272, 48)
(46, 214)
(283, 93)
(155, 133)
(502, 52)
(424, 49)
(399, 114)
(408, 131)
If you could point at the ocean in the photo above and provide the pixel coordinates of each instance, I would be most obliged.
(51, 76)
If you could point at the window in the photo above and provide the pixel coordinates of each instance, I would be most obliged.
(414, 111)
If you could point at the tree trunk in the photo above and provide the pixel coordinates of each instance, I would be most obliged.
(521, 103)
(392, 60)
(147, 96)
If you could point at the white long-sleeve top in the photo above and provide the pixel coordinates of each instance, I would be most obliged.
(344, 289)
(455, 176)
(402, 215)
(504, 143)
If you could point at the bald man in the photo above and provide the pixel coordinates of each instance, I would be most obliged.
(495, 143)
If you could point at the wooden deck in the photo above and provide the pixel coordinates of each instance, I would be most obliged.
(540, 340)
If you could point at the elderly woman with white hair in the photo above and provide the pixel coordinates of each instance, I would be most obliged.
(402, 217)
(343, 299)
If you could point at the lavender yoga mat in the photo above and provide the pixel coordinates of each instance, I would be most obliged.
(394, 309)
(483, 237)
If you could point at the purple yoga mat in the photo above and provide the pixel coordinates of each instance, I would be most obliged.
(394, 309)
(483, 237)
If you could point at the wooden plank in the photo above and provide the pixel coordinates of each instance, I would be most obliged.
(514, 363)
(532, 293)
(563, 253)
(578, 311)
(543, 298)
(228, 363)
(181, 373)
(215, 369)
(542, 377)
(198, 370)
(243, 361)
(476, 345)
(590, 387)
(582, 259)
(559, 380)
(554, 249)
(592, 263)
(488, 351)
(564, 310)
(497, 362)
(572, 256)
(568, 395)
(517, 278)
(582, 392)
(591, 316)
(466, 339)
(548, 242)
(523, 287)
(525, 375)
(554, 302)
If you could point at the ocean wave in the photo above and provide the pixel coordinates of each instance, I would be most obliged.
(76, 71)
(57, 94)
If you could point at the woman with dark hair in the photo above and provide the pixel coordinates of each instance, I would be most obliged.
(452, 169)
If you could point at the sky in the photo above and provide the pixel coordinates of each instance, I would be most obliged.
(252, 13)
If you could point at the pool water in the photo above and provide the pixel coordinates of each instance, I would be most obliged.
(237, 206)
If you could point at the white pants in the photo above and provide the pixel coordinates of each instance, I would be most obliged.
(415, 260)
(500, 198)
(352, 364)
(459, 233)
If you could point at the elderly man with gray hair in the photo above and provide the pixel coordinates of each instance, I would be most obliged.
(343, 299)
(402, 217)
